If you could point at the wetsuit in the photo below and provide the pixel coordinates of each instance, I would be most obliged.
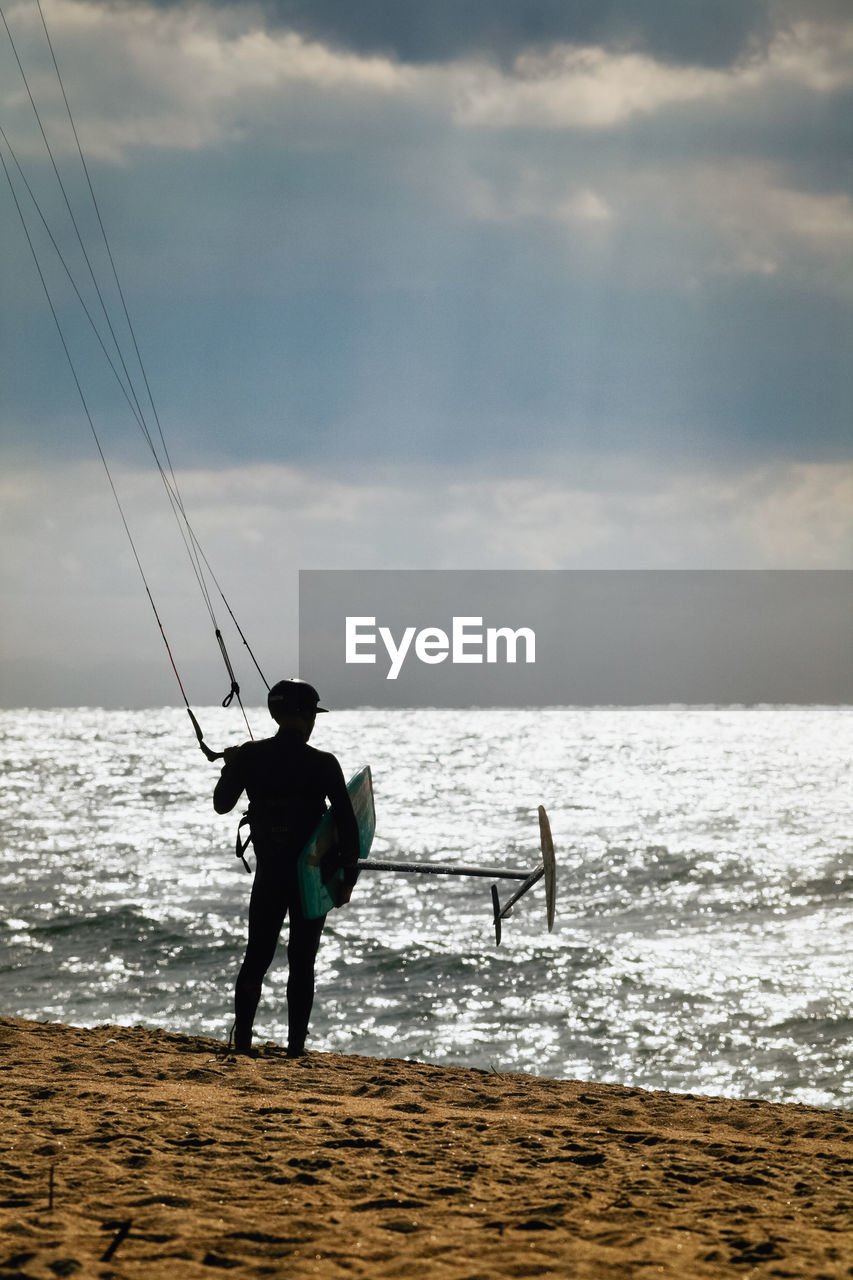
(287, 784)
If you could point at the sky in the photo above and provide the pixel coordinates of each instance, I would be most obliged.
(509, 284)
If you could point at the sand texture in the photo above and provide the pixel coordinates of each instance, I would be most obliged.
(134, 1153)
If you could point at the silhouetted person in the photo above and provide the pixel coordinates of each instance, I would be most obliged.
(287, 784)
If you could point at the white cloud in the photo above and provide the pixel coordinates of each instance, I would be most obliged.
(763, 219)
(816, 55)
(733, 218)
(578, 88)
(74, 603)
(530, 193)
(178, 79)
(584, 88)
(61, 525)
(686, 222)
(797, 513)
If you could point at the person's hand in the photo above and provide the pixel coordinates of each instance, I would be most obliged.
(229, 753)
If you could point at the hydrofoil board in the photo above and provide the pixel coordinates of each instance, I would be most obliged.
(322, 884)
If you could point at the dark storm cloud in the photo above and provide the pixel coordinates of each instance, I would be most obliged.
(712, 33)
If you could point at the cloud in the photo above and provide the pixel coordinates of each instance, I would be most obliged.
(593, 87)
(187, 78)
(724, 35)
(77, 626)
(763, 225)
(264, 521)
(500, 29)
(577, 87)
(176, 79)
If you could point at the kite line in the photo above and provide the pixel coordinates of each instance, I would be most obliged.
(29, 208)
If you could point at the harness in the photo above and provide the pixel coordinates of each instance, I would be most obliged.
(267, 821)
(242, 845)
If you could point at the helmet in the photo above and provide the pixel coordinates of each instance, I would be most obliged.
(293, 695)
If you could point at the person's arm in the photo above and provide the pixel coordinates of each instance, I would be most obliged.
(231, 782)
(342, 811)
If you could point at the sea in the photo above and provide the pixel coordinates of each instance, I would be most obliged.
(703, 939)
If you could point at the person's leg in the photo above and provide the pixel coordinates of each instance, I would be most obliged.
(267, 909)
(302, 944)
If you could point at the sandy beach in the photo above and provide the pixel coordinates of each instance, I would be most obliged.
(129, 1152)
